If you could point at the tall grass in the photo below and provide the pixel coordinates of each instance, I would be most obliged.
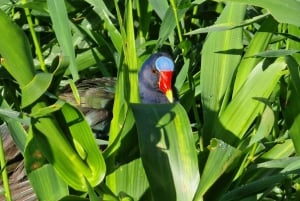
(233, 136)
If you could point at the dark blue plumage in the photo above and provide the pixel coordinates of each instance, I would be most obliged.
(155, 79)
(96, 95)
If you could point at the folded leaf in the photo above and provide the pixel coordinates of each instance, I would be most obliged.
(66, 141)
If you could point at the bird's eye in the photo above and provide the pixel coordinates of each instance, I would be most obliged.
(153, 70)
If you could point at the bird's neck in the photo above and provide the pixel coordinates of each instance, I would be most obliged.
(148, 95)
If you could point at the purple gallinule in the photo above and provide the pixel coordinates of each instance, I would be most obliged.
(96, 95)
(155, 79)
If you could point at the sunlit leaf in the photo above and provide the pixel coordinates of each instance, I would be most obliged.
(48, 185)
(284, 11)
(59, 17)
(259, 42)
(226, 26)
(243, 108)
(17, 61)
(35, 88)
(220, 57)
(76, 164)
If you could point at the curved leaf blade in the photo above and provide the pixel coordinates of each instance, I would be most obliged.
(15, 50)
(167, 150)
(35, 88)
(77, 161)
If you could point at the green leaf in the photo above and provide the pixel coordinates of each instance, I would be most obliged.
(87, 59)
(292, 104)
(35, 88)
(220, 157)
(167, 150)
(243, 108)
(286, 11)
(93, 158)
(220, 56)
(59, 17)
(47, 185)
(226, 26)
(125, 171)
(15, 50)
(294, 32)
(265, 126)
(122, 138)
(255, 187)
(16, 129)
(105, 14)
(130, 55)
(169, 23)
(48, 110)
(129, 178)
(275, 53)
(281, 150)
(75, 164)
(279, 163)
(74, 198)
(294, 132)
(160, 7)
(258, 43)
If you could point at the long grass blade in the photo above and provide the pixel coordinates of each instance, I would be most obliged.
(243, 108)
(60, 20)
(220, 57)
(259, 43)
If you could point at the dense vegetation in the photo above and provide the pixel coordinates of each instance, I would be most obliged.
(234, 136)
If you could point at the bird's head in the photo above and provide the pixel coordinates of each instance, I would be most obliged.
(155, 79)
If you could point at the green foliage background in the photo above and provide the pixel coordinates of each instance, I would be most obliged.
(234, 136)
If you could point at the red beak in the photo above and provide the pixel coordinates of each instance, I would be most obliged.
(165, 84)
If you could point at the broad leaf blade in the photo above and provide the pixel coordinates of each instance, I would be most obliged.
(243, 108)
(48, 186)
(286, 11)
(167, 150)
(35, 88)
(67, 142)
(15, 127)
(220, 57)
(259, 43)
(15, 50)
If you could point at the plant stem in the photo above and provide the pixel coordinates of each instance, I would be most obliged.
(174, 8)
(5, 179)
(34, 38)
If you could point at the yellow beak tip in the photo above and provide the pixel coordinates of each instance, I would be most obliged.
(169, 95)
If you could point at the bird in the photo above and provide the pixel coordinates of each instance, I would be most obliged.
(155, 79)
(96, 102)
